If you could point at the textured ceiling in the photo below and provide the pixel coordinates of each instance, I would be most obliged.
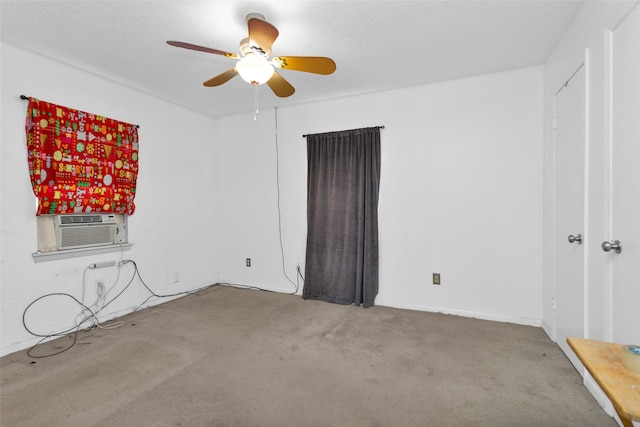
(377, 45)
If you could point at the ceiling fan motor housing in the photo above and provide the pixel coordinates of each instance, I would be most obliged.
(255, 15)
(245, 46)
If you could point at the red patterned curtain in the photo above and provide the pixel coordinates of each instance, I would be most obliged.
(80, 162)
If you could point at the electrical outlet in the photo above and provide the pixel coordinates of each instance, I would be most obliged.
(248, 262)
(436, 278)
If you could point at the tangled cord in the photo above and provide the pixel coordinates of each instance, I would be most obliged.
(88, 318)
(87, 315)
(58, 334)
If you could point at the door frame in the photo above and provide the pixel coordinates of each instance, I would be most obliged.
(582, 61)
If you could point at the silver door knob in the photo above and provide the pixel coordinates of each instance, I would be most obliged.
(614, 246)
(574, 239)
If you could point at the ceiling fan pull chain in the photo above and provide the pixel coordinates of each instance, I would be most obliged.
(255, 103)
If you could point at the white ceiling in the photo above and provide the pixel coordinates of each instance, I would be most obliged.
(377, 45)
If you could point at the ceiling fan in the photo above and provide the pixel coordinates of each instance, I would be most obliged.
(254, 65)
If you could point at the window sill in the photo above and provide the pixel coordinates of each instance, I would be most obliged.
(74, 253)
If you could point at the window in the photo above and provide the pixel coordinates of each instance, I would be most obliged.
(83, 169)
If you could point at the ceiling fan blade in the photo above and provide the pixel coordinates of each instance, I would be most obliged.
(262, 34)
(280, 86)
(201, 48)
(221, 78)
(309, 64)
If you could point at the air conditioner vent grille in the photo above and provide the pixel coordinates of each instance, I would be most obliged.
(72, 237)
(80, 219)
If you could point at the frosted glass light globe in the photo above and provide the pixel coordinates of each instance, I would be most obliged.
(254, 69)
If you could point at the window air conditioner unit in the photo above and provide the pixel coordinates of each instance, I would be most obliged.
(87, 230)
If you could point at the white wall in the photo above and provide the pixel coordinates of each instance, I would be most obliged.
(461, 193)
(176, 159)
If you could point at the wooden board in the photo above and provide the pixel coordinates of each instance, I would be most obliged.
(603, 360)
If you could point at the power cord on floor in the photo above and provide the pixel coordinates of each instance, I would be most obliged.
(44, 337)
(258, 288)
(88, 319)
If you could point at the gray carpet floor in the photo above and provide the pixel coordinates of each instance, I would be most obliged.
(235, 357)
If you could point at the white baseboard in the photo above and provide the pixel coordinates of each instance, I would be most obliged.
(602, 399)
(463, 313)
(549, 330)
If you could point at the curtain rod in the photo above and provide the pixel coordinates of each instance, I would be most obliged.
(26, 98)
(378, 127)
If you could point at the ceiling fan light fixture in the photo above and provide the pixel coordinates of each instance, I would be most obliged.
(254, 69)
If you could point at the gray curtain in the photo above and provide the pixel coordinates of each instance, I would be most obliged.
(342, 216)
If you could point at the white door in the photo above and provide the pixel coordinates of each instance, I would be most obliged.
(625, 180)
(569, 140)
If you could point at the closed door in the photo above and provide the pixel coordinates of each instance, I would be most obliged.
(625, 180)
(569, 139)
